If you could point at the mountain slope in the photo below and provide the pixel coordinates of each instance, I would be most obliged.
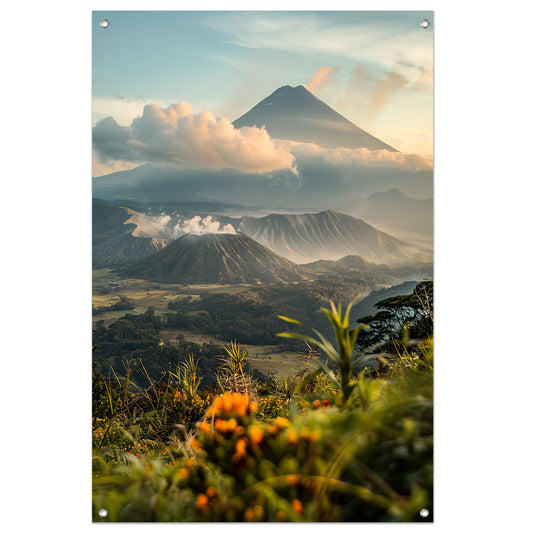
(329, 235)
(296, 114)
(115, 237)
(217, 258)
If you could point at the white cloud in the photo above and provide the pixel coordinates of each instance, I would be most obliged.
(177, 135)
(363, 157)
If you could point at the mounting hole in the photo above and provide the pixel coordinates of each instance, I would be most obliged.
(424, 513)
(102, 513)
(104, 23)
(424, 23)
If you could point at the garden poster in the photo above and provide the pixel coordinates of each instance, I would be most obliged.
(262, 266)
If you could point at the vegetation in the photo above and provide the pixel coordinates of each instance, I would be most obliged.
(339, 440)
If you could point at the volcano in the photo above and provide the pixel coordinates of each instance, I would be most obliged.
(295, 113)
(217, 258)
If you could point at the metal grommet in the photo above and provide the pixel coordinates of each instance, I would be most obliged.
(104, 23)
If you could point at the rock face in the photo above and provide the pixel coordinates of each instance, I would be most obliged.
(217, 258)
(329, 235)
(296, 114)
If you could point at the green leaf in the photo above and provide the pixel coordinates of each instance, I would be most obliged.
(293, 321)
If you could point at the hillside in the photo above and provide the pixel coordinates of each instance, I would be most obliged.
(217, 258)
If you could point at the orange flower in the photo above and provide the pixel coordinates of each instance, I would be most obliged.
(255, 434)
(204, 427)
(281, 422)
(281, 516)
(297, 506)
(292, 479)
(202, 502)
(272, 429)
(232, 403)
(292, 437)
(259, 512)
(317, 404)
(184, 473)
(314, 435)
(240, 447)
(225, 426)
(211, 492)
(249, 515)
(195, 444)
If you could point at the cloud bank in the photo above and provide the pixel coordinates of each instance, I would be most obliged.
(362, 157)
(177, 135)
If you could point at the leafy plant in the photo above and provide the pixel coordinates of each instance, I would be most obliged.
(187, 376)
(232, 375)
(343, 356)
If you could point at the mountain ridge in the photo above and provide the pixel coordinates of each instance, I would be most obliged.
(329, 235)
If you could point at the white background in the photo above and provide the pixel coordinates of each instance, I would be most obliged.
(482, 275)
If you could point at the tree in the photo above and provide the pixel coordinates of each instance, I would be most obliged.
(398, 314)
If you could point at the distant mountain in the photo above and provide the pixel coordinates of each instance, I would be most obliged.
(329, 235)
(296, 114)
(217, 258)
(394, 208)
(349, 262)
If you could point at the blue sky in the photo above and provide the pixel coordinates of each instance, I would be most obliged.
(376, 68)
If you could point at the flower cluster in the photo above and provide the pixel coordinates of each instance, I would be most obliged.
(259, 454)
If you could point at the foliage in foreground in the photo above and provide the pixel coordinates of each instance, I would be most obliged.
(371, 462)
(336, 444)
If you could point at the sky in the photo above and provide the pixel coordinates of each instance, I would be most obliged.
(375, 68)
